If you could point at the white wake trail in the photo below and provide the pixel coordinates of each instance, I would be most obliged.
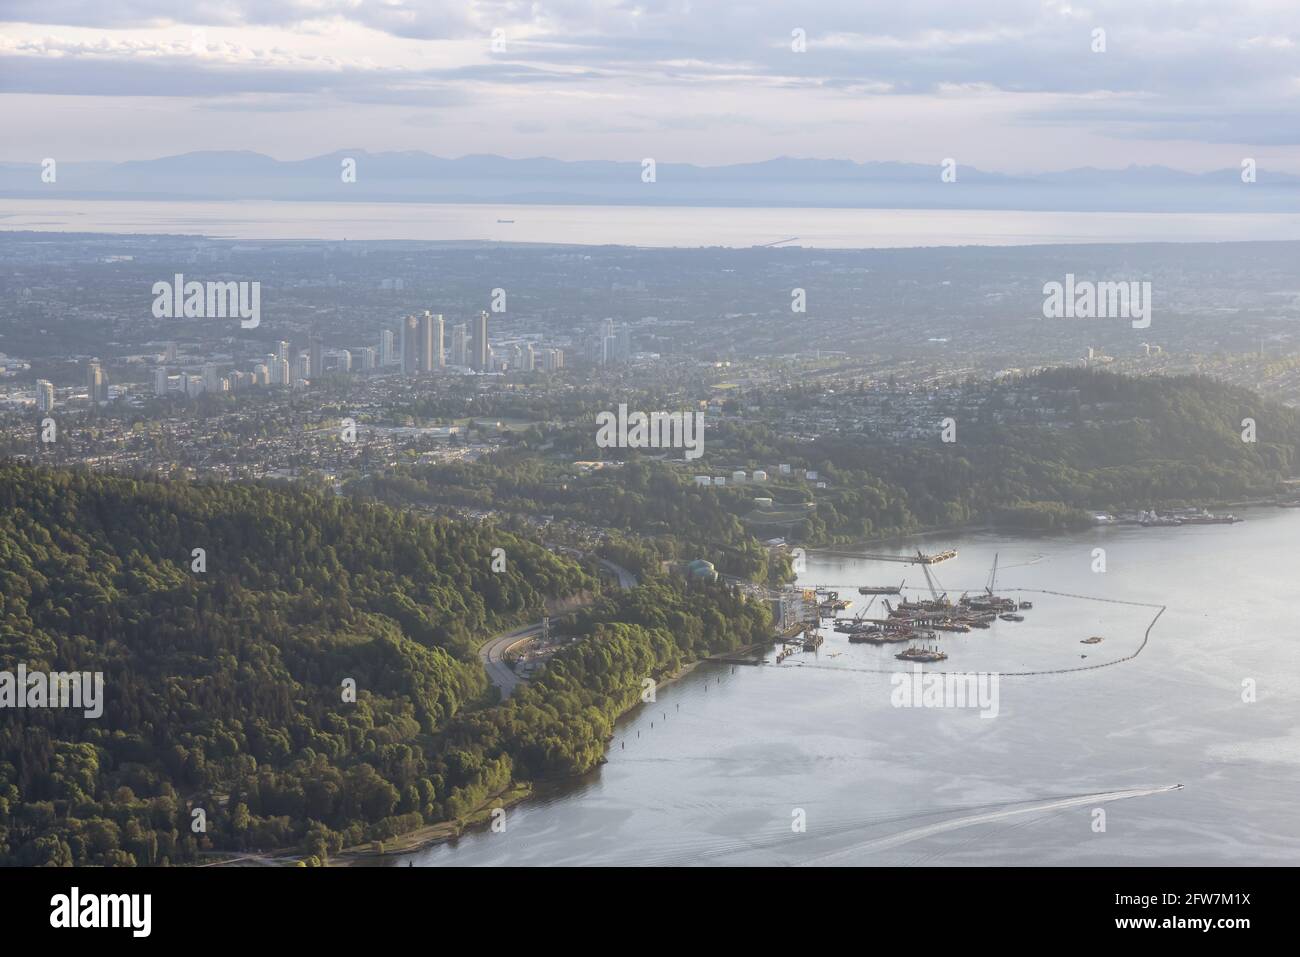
(987, 817)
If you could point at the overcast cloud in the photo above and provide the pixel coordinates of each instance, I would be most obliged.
(1010, 85)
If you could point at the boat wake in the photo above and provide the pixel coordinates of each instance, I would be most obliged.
(988, 817)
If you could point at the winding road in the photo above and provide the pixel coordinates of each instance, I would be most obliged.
(626, 580)
(493, 651)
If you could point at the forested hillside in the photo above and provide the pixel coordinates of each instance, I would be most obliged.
(216, 675)
(1131, 443)
(1125, 443)
(649, 499)
(558, 724)
(224, 688)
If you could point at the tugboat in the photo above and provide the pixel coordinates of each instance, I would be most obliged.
(1012, 617)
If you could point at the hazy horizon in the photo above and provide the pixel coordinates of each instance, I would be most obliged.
(1015, 85)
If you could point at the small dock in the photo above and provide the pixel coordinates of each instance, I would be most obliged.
(730, 659)
(750, 654)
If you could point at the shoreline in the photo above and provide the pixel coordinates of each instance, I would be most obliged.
(431, 835)
(899, 538)
(442, 832)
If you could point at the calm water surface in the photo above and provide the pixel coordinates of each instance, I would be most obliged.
(685, 226)
(717, 782)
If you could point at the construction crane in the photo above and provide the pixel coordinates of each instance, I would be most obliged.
(993, 575)
(777, 243)
(863, 614)
(933, 582)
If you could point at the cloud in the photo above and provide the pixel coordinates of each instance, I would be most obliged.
(425, 18)
(1173, 70)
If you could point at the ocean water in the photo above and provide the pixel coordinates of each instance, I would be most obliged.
(658, 226)
(744, 751)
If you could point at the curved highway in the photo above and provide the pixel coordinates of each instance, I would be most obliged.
(493, 651)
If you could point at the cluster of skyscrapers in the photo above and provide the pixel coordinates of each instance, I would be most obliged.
(422, 346)
(526, 357)
(612, 345)
(418, 347)
(277, 368)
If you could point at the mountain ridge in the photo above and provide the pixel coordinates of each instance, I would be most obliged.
(419, 176)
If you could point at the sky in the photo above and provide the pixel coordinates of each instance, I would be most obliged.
(1007, 85)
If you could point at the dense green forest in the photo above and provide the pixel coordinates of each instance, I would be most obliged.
(648, 632)
(652, 500)
(224, 687)
(1127, 443)
(1131, 443)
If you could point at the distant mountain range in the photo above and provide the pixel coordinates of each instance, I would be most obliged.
(785, 181)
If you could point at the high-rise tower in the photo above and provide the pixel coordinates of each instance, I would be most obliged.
(316, 357)
(410, 345)
(479, 359)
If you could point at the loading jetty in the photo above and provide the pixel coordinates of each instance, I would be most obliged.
(925, 618)
(920, 558)
(830, 602)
